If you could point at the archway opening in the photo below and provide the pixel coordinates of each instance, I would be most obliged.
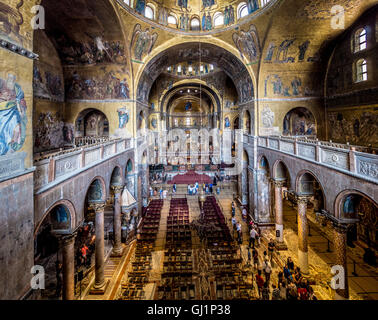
(357, 206)
(299, 122)
(91, 123)
(46, 249)
(264, 191)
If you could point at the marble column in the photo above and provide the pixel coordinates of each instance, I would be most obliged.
(278, 184)
(117, 249)
(302, 234)
(67, 245)
(99, 207)
(340, 245)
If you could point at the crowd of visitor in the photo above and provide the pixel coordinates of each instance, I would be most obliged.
(291, 285)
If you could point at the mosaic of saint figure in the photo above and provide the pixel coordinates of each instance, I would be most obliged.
(252, 5)
(227, 123)
(183, 3)
(188, 106)
(123, 116)
(207, 24)
(248, 43)
(154, 123)
(143, 41)
(13, 117)
(229, 15)
(140, 6)
(208, 3)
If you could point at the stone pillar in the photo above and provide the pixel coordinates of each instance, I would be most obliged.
(117, 249)
(99, 207)
(67, 244)
(278, 209)
(340, 240)
(302, 233)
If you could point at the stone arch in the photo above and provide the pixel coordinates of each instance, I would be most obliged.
(247, 122)
(103, 187)
(299, 121)
(261, 165)
(264, 190)
(280, 171)
(222, 53)
(116, 177)
(341, 197)
(356, 205)
(91, 122)
(71, 210)
(307, 183)
(129, 166)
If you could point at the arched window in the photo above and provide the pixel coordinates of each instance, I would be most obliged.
(218, 19)
(127, 2)
(195, 24)
(242, 10)
(264, 2)
(361, 70)
(149, 12)
(172, 20)
(360, 40)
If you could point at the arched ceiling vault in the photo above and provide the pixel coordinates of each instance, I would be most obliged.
(193, 51)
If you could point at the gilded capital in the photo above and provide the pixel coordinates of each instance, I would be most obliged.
(279, 183)
(97, 206)
(67, 239)
(117, 189)
(302, 199)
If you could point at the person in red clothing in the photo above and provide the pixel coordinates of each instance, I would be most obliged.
(84, 250)
(302, 292)
(260, 283)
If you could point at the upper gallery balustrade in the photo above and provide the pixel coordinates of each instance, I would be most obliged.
(62, 164)
(360, 161)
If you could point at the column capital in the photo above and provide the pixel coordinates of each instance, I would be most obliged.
(67, 239)
(302, 199)
(117, 188)
(279, 183)
(98, 206)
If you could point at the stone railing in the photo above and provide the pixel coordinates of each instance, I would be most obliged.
(61, 165)
(339, 156)
(83, 141)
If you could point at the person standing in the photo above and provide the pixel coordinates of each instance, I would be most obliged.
(267, 270)
(239, 231)
(255, 259)
(271, 247)
(252, 237)
(275, 293)
(283, 291)
(260, 283)
(265, 291)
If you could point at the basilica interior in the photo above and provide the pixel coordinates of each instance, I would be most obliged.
(188, 149)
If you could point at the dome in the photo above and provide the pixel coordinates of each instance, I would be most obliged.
(193, 16)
